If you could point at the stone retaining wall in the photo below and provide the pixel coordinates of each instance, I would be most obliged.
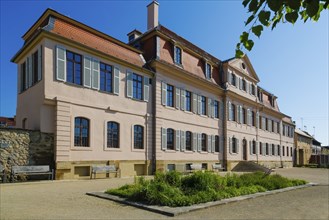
(25, 147)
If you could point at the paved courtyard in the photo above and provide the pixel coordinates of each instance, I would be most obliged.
(67, 200)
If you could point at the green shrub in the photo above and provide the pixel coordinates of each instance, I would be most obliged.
(173, 189)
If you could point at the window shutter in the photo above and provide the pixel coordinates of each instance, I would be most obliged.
(87, 72)
(199, 104)
(195, 141)
(209, 143)
(257, 119)
(129, 79)
(183, 99)
(30, 74)
(240, 83)
(230, 145)
(183, 140)
(229, 76)
(177, 90)
(241, 114)
(275, 150)
(257, 147)
(238, 113)
(221, 110)
(263, 149)
(250, 147)
(177, 140)
(247, 87)
(210, 110)
(146, 88)
(95, 74)
(270, 149)
(229, 111)
(175, 55)
(164, 138)
(60, 63)
(237, 146)
(195, 103)
(26, 74)
(116, 81)
(221, 144)
(213, 143)
(164, 93)
(40, 63)
(199, 142)
(105, 134)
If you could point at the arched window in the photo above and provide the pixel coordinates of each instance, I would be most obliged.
(188, 141)
(81, 132)
(203, 142)
(170, 139)
(234, 145)
(138, 137)
(113, 134)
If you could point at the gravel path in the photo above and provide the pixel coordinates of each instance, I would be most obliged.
(67, 200)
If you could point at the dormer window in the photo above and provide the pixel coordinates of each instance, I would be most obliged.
(178, 55)
(208, 71)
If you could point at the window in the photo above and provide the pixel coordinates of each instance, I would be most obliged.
(283, 130)
(232, 112)
(266, 124)
(81, 132)
(279, 150)
(138, 137)
(234, 145)
(216, 109)
(273, 126)
(253, 89)
(188, 98)
(254, 147)
(73, 68)
(243, 119)
(263, 120)
(113, 134)
(267, 152)
(273, 149)
(244, 85)
(291, 151)
(203, 105)
(35, 67)
(278, 127)
(253, 118)
(260, 148)
(216, 143)
(233, 79)
(188, 135)
(287, 151)
(137, 86)
(178, 55)
(23, 76)
(106, 77)
(203, 142)
(170, 95)
(208, 71)
(170, 139)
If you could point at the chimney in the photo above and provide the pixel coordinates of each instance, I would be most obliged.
(152, 15)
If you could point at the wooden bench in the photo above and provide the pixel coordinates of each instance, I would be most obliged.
(217, 167)
(103, 169)
(32, 170)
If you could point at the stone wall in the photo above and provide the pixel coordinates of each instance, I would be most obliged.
(25, 147)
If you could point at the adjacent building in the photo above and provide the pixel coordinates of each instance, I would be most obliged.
(303, 144)
(157, 102)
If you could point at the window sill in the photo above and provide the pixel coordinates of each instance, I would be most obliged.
(170, 151)
(138, 150)
(75, 148)
(179, 65)
(112, 149)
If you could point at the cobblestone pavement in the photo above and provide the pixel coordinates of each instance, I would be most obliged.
(67, 200)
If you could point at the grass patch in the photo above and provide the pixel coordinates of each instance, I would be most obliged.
(173, 189)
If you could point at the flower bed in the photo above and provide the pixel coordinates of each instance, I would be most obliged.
(173, 189)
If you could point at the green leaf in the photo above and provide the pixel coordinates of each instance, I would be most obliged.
(317, 16)
(249, 19)
(244, 37)
(245, 3)
(292, 17)
(275, 5)
(264, 17)
(257, 30)
(238, 53)
(294, 4)
(248, 44)
(275, 23)
(312, 8)
(253, 5)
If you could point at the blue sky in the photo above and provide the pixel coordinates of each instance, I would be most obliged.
(291, 61)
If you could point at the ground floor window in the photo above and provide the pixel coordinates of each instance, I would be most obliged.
(113, 134)
(138, 137)
(81, 132)
(188, 141)
(170, 139)
(203, 142)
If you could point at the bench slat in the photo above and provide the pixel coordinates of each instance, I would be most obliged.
(30, 169)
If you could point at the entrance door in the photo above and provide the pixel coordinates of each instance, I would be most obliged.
(244, 143)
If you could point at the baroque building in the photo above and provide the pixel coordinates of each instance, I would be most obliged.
(157, 102)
